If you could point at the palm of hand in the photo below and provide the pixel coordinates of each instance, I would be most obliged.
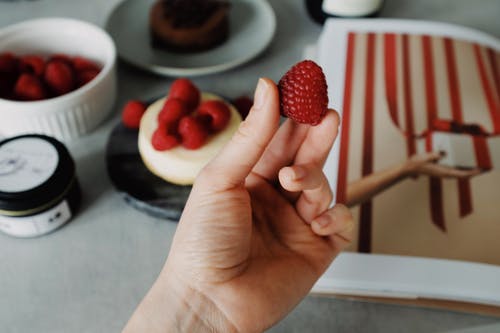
(258, 239)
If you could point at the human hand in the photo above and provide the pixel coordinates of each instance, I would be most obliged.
(257, 230)
(426, 164)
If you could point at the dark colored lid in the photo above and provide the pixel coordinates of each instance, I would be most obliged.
(51, 186)
(315, 11)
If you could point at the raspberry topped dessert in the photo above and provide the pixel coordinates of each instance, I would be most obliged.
(189, 25)
(180, 133)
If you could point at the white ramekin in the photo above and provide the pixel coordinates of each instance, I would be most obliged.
(71, 115)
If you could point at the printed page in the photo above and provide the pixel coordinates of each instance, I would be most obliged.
(427, 217)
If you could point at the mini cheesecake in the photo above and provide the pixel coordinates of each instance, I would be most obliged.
(180, 165)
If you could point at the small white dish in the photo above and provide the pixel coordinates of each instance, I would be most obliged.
(252, 28)
(71, 115)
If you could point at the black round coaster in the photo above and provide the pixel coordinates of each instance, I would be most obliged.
(139, 187)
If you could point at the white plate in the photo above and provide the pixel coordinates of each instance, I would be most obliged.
(252, 27)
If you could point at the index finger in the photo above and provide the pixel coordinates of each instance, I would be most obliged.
(237, 159)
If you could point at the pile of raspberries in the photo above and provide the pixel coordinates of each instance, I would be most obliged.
(35, 77)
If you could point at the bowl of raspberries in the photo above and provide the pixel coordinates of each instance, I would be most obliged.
(57, 77)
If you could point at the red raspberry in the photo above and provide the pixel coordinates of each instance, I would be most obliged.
(84, 64)
(204, 119)
(243, 104)
(173, 110)
(163, 140)
(185, 89)
(218, 111)
(5, 87)
(132, 113)
(61, 57)
(32, 64)
(29, 88)
(59, 77)
(84, 77)
(8, 63)
(303, 93)
(193, 133)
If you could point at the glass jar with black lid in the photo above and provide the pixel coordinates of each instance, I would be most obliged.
(39, 190)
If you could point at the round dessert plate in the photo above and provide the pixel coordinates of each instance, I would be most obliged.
(252, 28)
(140, 188)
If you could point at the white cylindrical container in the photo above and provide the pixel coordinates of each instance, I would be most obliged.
(320, 10)
(68, 116)
(351, 8)
(39, 190)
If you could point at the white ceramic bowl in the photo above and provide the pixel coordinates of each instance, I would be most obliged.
(68, 116)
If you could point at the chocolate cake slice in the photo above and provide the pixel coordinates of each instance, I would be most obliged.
(189, 25)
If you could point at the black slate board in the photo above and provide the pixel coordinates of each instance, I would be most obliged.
(139, 187)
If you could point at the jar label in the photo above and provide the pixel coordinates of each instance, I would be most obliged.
(36, 225)
(26, 163)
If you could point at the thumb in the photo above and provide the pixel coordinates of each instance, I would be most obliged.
(237, 159)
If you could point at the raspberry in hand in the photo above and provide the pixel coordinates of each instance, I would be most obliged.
(303, 93)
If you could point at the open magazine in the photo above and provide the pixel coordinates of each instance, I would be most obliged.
(417, 159)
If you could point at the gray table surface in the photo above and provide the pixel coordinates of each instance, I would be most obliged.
(90, 275)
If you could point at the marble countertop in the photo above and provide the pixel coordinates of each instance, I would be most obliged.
(90, 275)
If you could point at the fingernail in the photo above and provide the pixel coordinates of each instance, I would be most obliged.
(260, 94)
(298, 173)
(322, 220)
